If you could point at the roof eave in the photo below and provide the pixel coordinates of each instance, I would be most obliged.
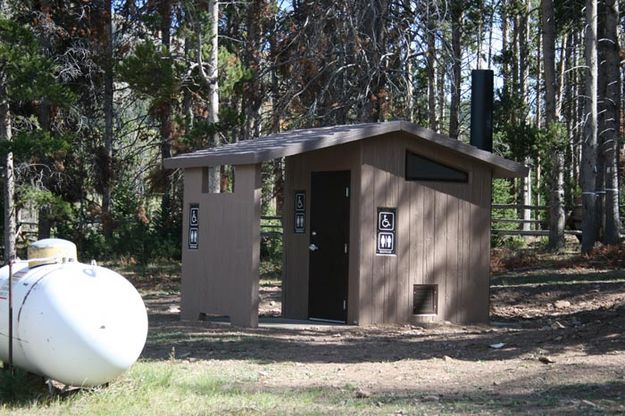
(501, 167)
(521, 172)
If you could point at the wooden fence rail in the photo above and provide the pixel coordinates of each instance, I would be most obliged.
(538, 231)
(515, 206)
(533, 233)
(535, 225)
(271, 225)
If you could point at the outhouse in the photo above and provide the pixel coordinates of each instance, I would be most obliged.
(383, 223)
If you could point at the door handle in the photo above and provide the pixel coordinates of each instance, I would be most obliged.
(313, 247)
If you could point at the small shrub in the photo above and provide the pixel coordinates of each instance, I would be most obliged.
(611, 256)
(506, 258)
(271, 256)
(515, 243)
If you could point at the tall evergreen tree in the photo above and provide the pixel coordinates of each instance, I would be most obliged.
(589, 145)
(556, 178)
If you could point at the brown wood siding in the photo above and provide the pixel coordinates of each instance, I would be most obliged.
(367, 246)
(296, 259)
(295, 246)
(443, 235)
(191, 286)
(221, 276)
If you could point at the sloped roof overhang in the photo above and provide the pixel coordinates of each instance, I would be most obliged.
(305, 140)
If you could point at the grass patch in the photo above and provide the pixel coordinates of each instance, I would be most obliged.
(163, 270)
(270, 269)
(182, 388)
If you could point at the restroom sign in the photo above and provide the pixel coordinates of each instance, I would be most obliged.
(386, 243)
(300, 212)
(194, 226)
(386, 240)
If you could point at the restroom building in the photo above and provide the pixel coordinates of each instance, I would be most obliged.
(383, 223)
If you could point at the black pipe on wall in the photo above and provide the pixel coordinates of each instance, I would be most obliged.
(482, 109)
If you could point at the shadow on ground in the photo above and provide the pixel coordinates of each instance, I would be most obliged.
(525, 314)
(593, 332)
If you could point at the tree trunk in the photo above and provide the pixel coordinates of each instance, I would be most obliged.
(602, 122)
(187, 97)
(440, 99)
(213, 110)
(254, 95)
(372, 24)
(431, 70)
(518, 60)
(589, 144)
(565, 104)
(527, 199)
(165, 111)
(278, 183)
(539, 114)
(556, 179)
(524, 51)
(44, 225)
(579, 110)
(523, 41)
(278, 164)
(9, 175)
(609, 48)
(214, 175)
(276, 112)
(456, 56)
(108, 121)
(505, 68)
(409, 89)
(561, 73)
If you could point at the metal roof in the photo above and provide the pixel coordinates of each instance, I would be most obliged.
(305, 140)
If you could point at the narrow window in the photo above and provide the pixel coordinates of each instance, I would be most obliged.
(419, 168)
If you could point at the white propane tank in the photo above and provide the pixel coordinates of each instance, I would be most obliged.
(79, 324)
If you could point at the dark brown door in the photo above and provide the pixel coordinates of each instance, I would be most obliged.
(329, 245)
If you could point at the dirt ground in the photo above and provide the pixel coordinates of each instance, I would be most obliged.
(556, 344)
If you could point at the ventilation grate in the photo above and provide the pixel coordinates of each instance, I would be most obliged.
(425, 299)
